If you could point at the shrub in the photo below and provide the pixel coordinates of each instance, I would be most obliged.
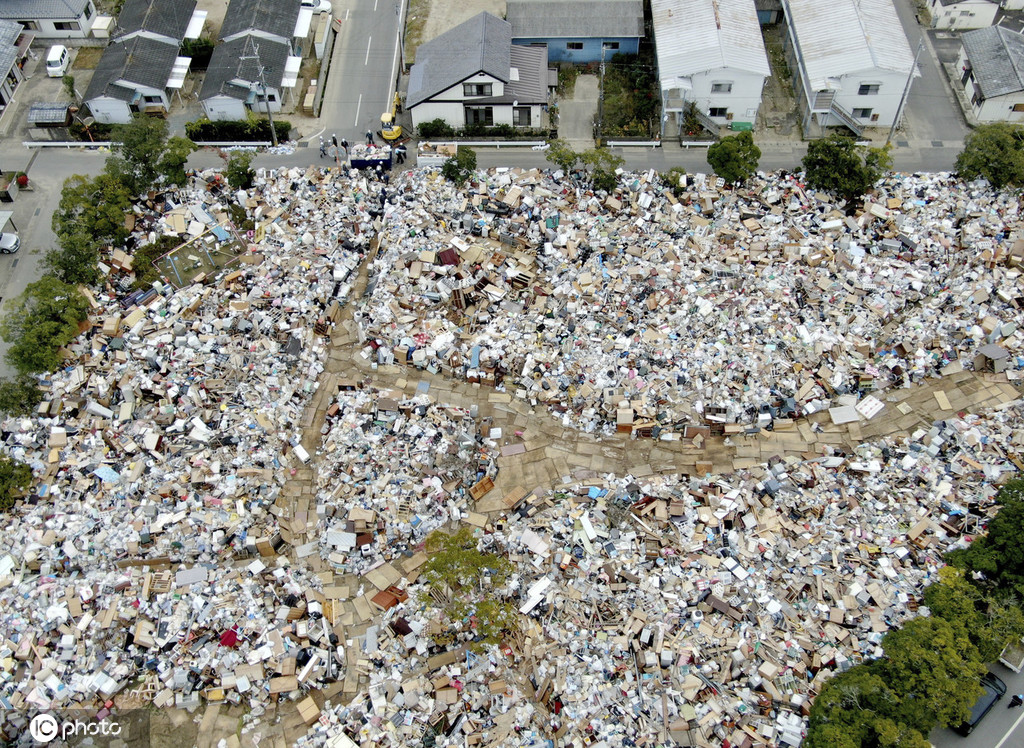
(242, 131)
(436, 128)
(458, 168)
(200, 50)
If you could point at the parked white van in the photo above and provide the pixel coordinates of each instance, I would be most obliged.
(57, 60)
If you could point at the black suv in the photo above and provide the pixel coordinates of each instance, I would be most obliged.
(995, 689)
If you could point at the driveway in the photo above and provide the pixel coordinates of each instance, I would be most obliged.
(576, 115)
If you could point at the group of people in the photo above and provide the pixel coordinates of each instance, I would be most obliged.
(399, 150)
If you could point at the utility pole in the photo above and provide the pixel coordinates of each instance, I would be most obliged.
(906, 92)
(263, 80)
(600, 102)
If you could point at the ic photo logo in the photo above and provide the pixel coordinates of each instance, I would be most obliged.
(45, 728)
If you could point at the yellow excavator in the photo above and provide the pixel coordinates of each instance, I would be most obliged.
(389, 129)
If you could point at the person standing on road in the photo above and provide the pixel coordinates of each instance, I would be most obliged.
(369, 137)
(400, 154)
(1017, 700)
(334, 140)
(323, 147)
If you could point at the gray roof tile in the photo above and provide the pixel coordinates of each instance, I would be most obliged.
(140, 61)
(274, 17)
(997, 57)
(481, 44)
(227, 66)
(164, 17)
(20, 10)
(575, 19)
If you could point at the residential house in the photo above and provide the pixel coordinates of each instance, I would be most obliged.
(850, 60)
(136, 76)
(233, 84)
(963, 14)
(51, 19)
(992, 73)
(14, 44)
(168, 22)
(257, 62)
(474, 75)
(140, 69)
(578, 31)
(710, 54)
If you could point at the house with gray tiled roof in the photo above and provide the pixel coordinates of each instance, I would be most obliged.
(474, 75)
(51, 19)
(14, 43)
(962, 14)
(991, 65)
(140, 70)
(578, 31)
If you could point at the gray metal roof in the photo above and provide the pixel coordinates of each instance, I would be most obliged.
(274, 17)
(481, 44)
(575, 19)
(164, 17)
(227, 68)
(9, 33)
(139, 61)
(22, 10)
(997, 57)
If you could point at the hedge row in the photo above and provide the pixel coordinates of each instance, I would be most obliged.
(204, 130)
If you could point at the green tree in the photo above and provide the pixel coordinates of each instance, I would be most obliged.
(601, 165)
(934, 670)
(995, 152)
(19, 396)
(459, 167)
(458, 568)
(734, 158)
(172, 163)
(837, 164)
(988, 622)
(239, 169)
(135, 162)
(561, 154)
(95, 206)
(40, 322)
(76, 259)
(15, 477)
(999, 553)
(857, 709)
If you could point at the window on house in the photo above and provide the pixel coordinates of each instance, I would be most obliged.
(977, 99)
(574, 45)
(868, 89)
(476, 89)
(1017, 108)
(89, 10)
(479, 115)
(521, 116)
(153, 99)
(611, 45)
(66, 26)
(862, 113)
(966, 13)
(721, 88)
(30, 25)
(718, 111)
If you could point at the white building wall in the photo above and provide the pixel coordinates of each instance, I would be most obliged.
(1012, 4)
(884, 103)
(1000, 109)
(427, 111)
(455, 92)
(965, 15)
(741, 102)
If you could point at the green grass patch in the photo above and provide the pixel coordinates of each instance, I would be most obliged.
(631, 103)
(87, 58)
(415, 22)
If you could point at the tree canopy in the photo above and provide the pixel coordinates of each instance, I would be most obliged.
(40, 321)
(995, 152)
(837, 164)
(734, 158)
(459, 167)
(15, 477)
(999, 554)
(561, 154)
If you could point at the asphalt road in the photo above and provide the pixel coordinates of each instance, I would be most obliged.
(931, 113)
(1001, 727)
(32, 218)
(364, 68)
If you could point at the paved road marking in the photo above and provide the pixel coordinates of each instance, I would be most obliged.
(1010, 732)
(394, 61)
(367, 60)
(358, 104)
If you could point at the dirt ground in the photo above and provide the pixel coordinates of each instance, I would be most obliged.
(215, 10)
(778, 114)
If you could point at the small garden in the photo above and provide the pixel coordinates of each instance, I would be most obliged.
(631, 107)
(438, 129)
(229, 131)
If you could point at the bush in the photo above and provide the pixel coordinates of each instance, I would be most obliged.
(995, 152)
(200, 50)
(15, 477)
(242, 131)
(458, 168)
(436, 128)
(40, 322)
(837, 164)
(734, 158)
(20, 396)
(239, 170)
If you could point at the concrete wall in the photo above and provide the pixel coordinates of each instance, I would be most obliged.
(884, 103)
(558, 49)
